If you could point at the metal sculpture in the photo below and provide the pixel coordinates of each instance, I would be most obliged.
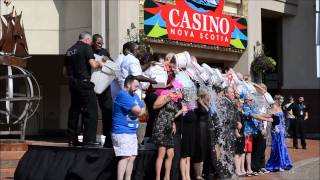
(19, 90)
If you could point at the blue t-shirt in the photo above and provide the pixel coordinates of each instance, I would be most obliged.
(123, 120)
(250, 124)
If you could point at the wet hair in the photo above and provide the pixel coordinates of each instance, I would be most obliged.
(202, 92)
(95, 37)
(84, 35)
(129, 79)
(173, 60)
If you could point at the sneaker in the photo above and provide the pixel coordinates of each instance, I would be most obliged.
(264, 170)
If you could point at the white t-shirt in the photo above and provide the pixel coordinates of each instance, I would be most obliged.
(130, 66)
(115, 85)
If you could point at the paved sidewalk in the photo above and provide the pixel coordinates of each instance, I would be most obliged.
(306, 164)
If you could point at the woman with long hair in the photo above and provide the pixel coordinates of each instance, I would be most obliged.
(279, 158)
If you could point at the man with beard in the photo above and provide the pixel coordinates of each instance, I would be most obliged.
(127, 107)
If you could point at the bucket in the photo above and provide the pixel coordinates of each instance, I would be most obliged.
(204, 76)
(104, 77)
(183, 59)
(207, 68)
(197, 66)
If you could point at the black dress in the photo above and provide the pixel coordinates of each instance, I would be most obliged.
(240, 142)
(162, 131)
(201, 134)
(188, 134)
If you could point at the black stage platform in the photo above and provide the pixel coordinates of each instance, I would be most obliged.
(79, 163)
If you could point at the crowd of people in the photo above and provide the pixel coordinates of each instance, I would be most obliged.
(202, 126)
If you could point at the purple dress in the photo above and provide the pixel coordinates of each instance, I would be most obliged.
(279, 157)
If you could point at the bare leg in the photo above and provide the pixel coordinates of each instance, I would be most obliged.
(129, 167)
(122, 166)
(183, 163)
(217, 148)
(188, 168)
(248, 158)
(168, 163)
(198, 168)
(237, 164)
(159, 161)
(242, 169)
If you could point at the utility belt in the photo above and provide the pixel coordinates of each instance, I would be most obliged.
(81, 84)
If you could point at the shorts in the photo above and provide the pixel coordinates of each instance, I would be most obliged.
(125, 144)
(248, 144)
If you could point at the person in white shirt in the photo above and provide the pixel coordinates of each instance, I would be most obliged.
(131, 66)
(116, 85)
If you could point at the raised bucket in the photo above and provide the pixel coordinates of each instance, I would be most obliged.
(183, 59)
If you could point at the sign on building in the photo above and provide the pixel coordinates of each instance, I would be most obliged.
(195, 21)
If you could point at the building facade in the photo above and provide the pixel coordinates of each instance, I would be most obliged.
(286, 29)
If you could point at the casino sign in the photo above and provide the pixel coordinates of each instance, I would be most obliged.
(195, 21)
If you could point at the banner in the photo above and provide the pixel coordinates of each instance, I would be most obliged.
(197, 21)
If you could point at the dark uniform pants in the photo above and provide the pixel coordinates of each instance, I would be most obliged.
(258, 152)
(105, 104)
(84, 102)
(297, 129)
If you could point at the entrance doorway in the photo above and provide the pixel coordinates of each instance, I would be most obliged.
(272, 45)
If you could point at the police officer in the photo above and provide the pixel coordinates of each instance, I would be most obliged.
(105, 98)
(301, 114)
(79, 60)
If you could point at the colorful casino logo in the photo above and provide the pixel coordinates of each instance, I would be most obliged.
(198, 21)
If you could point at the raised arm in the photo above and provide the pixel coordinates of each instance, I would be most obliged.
(161, 101)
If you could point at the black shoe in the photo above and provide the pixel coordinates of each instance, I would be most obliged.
(304, 147)
(92, 144)
(107, 145)
(295, 147)
(75, 143)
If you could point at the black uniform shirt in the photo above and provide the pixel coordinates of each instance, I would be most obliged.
(77, 61)
(299, 110)
(101, 52)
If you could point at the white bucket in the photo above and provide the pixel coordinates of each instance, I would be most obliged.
(191, 73)
(183, 59)
(197, 66)
(104, 77)
(157, 73)
(204, 76)
(207, 68)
